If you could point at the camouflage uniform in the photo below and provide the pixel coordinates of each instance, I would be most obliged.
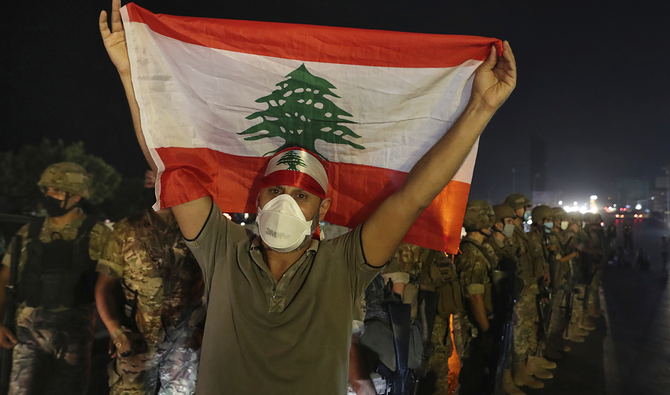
(474, 271)
(410, 259)
(571, 243)
(54, 345)
(532, 268)
(536, 238)
(155, 266)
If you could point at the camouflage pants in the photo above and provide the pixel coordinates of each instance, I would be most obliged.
(594, 300)
(437, 377)
(558, 316)
(472, 354)
(525, 330)
(169, 368)
(53, 353)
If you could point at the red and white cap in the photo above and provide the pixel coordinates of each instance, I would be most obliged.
(298, 168)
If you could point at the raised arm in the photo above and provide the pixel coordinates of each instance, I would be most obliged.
(384, 230)
(191, 216)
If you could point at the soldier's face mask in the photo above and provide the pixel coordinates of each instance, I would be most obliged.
(564, 225)
(56, 207)
(508, 230)
(526, 215)
(282, 224)
(548, 226)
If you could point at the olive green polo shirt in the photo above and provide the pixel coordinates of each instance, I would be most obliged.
(264, 336)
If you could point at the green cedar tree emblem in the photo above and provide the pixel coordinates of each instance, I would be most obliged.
(300, 113)
(291, 159)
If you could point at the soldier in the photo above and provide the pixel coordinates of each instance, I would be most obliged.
(539, 239)
(56, 316)
(472, 336)
(560, 285)
(573, 243)
(415, 268)
(500, 242)
(532, 271)
(158, 347)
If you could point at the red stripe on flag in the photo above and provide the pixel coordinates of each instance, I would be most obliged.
(356, 190)
(311, 43)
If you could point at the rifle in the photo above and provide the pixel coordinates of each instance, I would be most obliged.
(8, 319)
(544, 311)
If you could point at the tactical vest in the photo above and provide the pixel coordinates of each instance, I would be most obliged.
(527, 259)
(60, 273)
(488, 291)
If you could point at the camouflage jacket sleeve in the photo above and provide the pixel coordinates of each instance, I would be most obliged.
(540, 253)
(7, 259)
(472, 269)
(111, 259)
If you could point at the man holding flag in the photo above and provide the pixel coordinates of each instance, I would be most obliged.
(280, 305)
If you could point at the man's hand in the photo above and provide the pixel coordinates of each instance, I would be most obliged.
(130, 343)
(7, 338)
(495, 79)
(115, 40)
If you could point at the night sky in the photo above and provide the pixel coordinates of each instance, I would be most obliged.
(593, 80)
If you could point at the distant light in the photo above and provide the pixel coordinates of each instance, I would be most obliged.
(560, 202)
(575, 203)
(652, 198)
(602, 224)
(529, 222)
(582, 209)
(246, 215)
(242, 223)
(593, 197)
(614, 205)
(228, 216)
(594, 209)
(628, 206)
(646, 211)
(638, 206)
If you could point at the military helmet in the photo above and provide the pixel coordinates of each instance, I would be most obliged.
(68, 177)
(589, 217)
(559, 214)
(478, 215)
(574, 217)
(503, 211)
(541, 212)
(517, 201)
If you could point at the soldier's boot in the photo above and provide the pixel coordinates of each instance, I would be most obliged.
(546, 364)
(573, 337)
(574, 329)
(508, 384)
(534, 367)
(587, 324)
(521, 377)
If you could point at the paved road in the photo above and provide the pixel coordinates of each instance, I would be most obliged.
(639, 313)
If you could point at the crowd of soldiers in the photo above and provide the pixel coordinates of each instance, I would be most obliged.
(144, 281)
(516, 300)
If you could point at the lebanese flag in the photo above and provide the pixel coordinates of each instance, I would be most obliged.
(218, 97)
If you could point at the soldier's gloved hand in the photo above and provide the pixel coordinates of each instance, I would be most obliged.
(7, 338)
(130, 343)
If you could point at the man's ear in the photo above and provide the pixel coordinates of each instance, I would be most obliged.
(323, 209)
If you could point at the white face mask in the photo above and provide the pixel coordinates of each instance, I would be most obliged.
(508, 230)
(564, 225)
(282, 224)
